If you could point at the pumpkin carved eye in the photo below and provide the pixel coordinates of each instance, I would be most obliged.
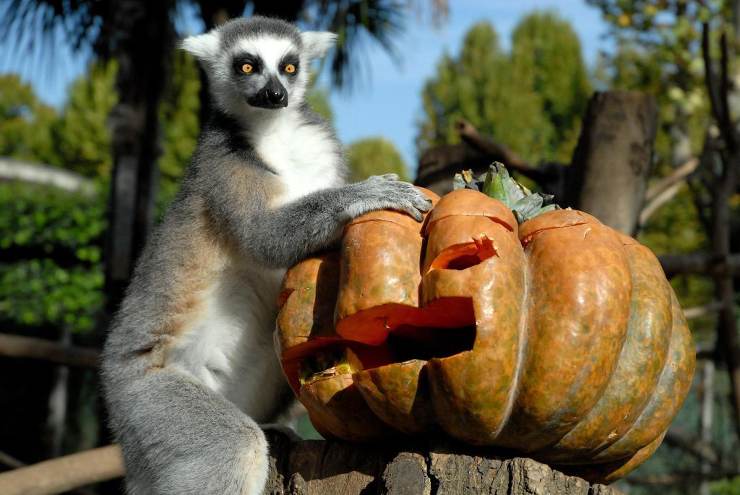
(247, 68)
(290, 69)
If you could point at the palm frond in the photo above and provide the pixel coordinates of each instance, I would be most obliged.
(355, 21)
(33, 29)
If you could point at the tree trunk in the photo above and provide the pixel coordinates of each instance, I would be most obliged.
(705, 419)
(214, 14)
(727, 326)
(142, 39)
(613, 158)
(315, 467)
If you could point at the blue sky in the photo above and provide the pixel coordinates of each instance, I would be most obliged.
(387, 101)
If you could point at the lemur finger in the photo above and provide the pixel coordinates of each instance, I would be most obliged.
(423, 204)
(417, 215)
(411, 210)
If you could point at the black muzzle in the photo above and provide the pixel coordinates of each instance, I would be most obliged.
(273, 95)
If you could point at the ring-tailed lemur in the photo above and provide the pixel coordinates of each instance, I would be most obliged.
(189, 369)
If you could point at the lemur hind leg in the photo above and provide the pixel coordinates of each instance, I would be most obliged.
(181, 438)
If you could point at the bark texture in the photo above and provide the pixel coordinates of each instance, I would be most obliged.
(613, 158)
(315, 467)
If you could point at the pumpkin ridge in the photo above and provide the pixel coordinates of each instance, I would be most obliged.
(521, 351)
(673, 381)
(578, 290)
(639, 337)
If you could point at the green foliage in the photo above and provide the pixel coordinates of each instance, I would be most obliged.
(61, 283)
(374, 156)
(318, 100)
(179, 112)
(57, 279)
(548, 48)
(25, 123)
(81, 135)
(726, 487)
(524, 99)
(76, 139)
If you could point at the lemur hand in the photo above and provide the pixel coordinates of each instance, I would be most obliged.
(381, 192)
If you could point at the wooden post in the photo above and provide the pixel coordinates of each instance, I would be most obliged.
(335, 468)
(613, 158)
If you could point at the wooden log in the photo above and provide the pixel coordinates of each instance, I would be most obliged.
(317, 467)
(34, 348)
(702, 263)
(64, 473)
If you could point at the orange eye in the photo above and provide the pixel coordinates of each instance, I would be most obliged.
(247, 68)
(290, 68)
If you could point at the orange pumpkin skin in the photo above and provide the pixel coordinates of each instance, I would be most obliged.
(580, 356)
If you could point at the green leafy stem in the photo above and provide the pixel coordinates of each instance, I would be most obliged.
(498, 184)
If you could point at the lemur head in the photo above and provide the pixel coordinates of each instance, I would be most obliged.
(257, 63)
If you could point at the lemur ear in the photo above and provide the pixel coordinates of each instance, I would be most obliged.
(203, 46)
(317, 43)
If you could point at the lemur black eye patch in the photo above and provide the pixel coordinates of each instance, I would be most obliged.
(246, 58)
(289, 59)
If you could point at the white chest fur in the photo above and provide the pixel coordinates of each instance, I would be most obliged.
(304, 156)
(229, 346)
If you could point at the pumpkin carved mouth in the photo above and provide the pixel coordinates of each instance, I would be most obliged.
(381, 336)
(397, 301)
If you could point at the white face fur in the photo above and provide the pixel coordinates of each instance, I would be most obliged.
(268, 57)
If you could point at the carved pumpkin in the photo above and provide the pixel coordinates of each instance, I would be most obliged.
(558, 337)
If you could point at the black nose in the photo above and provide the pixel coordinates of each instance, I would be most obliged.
(272, 95)
(275, 95)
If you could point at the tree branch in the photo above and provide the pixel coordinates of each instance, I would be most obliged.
(477, 152)
(678, 175)
(34, 348)
(699, 262)
(718, 90)
(657, 202)
(710, 77)
(728, 129)
(470, 135)
(64, 473)
(665, 189)
(699, 311)
(10, 461)
(693, 446)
